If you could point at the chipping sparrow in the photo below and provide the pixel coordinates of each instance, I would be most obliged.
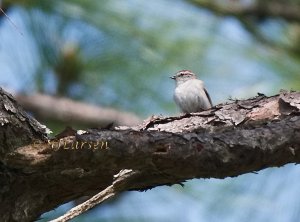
(190, 94)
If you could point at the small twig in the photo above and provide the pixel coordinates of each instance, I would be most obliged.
(106, 194)
(11, 22)
(121, 179)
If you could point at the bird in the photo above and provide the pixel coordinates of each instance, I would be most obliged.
(190, 94)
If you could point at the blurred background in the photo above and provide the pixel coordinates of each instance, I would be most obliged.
(116, 56)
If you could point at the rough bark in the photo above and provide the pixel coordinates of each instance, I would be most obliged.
(226, 141)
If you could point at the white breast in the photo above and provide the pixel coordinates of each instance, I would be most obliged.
(190, 96)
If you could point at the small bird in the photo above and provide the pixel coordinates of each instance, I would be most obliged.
(190, 94)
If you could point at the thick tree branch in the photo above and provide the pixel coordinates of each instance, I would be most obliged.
(17, 127)
(228, 140)
(71, 112)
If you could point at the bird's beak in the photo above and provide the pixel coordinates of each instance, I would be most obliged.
(172, 77)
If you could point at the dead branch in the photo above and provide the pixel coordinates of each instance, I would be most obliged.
(71, 112)
(228, 140)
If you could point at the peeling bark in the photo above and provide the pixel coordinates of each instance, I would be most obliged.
(228, 140)
(17, 127)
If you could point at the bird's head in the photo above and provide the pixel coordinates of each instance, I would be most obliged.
(183, 76)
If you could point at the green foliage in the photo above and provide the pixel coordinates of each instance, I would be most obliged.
(120, 53)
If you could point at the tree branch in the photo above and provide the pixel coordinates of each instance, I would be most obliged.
(120, 184)
(72, 112)
(225, 141)
(289, 11)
